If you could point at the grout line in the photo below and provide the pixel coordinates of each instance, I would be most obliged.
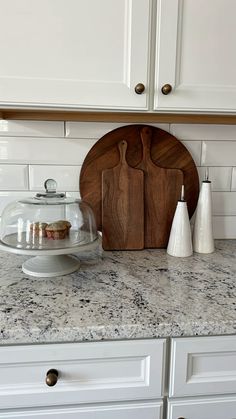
(201, 153)
(217, 167)
(231, 180)
(49, 164)
(28, 170)
(64, 122)
(31, 191)
(202, 139)
(224, 215)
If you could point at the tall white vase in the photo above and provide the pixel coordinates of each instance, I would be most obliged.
(180, 240)
(203, 241)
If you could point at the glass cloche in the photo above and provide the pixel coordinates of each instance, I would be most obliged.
(48, 224)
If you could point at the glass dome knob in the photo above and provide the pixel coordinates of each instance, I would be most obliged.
(50, 185)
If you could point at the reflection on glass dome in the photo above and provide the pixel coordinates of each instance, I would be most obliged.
(48, 221)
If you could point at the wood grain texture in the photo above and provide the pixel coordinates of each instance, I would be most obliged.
(122, 206)
(162, 188)
(111, 116)
(166, 152)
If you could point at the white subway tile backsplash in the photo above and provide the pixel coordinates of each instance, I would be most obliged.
(224, 203)
(31, 151)
(203, 132)
(224, 227)
(97, 130)
(75, 195)
(220, 177)
(67, 177)
(218, 153)
(31, 128)
(194, 148)
(44, 150)
(93, 130)
(13, 177)
(233, 184)
(9, 196)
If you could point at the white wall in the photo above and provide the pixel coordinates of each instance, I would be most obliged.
(32, 151)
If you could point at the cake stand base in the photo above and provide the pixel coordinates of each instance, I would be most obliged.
(48, 266)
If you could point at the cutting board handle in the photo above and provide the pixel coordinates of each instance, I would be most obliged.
(122, 149)
(146, 138)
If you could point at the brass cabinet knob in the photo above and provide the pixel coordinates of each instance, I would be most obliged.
(51, 377)
(139, 88)
(166, 89)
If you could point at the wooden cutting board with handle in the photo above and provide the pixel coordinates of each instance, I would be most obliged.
(166, 152)
(122, 205)
(162, 188)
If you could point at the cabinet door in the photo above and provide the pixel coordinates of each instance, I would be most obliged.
(205, 408)
(195, 55)
(126, 411)
(203, 366)
(74, 53)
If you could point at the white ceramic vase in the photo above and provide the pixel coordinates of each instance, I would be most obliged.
(180, 240)
(203, 241)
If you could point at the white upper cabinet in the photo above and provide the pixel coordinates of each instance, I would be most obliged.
(195, 54)
(74, 53)
(88, 54)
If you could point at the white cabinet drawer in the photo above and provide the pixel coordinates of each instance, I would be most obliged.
(88, 372)
(204, 408)
(124, 411)
(203, 365)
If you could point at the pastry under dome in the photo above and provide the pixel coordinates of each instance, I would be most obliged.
(49, 220)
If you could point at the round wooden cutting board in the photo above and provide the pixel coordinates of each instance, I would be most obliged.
(166, 151)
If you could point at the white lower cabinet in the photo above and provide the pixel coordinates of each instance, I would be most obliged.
(100, 380)
(203, 366)
(124, 411)
(120, 379)
(203, 408)
(202, 381)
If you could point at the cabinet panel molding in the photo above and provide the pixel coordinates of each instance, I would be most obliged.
(149, 410)
(206, 407)
(201, 366)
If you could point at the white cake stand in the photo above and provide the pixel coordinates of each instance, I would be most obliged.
(50, 262)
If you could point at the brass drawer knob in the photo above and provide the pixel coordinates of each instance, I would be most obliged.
(166, 89)
(139, 88)
(51, 377)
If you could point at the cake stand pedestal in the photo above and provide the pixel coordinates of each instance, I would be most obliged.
(51, 262)
(48, 266)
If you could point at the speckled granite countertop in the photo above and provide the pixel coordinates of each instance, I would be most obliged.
(121, 295)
